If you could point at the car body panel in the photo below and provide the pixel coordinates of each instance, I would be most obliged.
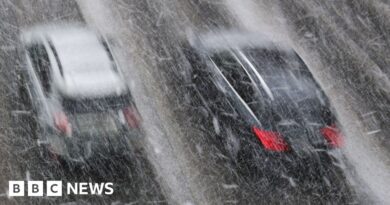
(75, 64)
(293, 96)
(79, 50)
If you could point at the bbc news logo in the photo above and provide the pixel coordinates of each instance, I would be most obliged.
(55, 188)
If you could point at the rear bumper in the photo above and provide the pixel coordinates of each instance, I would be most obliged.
(281, 164)
(80, 148)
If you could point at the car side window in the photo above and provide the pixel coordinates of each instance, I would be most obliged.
(41, 64)
(109, 53)
(236, 76)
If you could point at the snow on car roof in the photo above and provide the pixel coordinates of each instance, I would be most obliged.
(86, 63)
(87, 69)
(218, 40)
(78, 47)
(80, 50)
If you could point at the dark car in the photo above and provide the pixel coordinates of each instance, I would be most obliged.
(262, 98)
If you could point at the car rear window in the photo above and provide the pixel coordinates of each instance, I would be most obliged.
(294, 93)
(282, 71)
(96, 104)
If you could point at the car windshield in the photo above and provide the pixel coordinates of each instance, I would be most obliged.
(276, 86)
(101, 104)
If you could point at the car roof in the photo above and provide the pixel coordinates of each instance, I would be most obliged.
(228, 39)
(79, 49)
(86, 67)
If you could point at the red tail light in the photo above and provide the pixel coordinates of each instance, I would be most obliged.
(271, 140)
(62, 123)
(333, 135)
(132, 117)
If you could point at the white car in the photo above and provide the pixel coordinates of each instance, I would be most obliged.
(78, 95)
